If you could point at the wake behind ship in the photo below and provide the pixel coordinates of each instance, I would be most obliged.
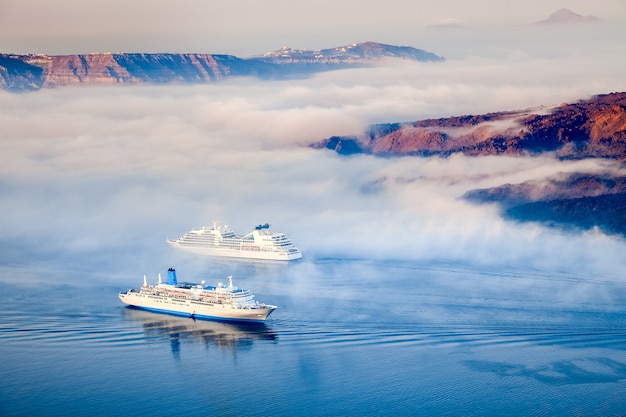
(261, 243)
(220, 302)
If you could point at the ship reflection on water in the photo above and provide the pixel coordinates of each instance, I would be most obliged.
(225, 336)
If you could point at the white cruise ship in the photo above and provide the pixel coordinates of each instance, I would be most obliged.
(261, 243)
(220, 302)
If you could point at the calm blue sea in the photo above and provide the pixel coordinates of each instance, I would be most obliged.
(350, 337)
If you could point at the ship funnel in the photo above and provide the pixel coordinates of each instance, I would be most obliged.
(171, 277)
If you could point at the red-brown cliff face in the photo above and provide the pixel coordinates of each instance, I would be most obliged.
(86, 69)
(590, 128)
(594, 128)
(31, 72)
(97, 68)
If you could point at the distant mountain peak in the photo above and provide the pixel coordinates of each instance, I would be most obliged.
(32, 72)
(363, 51)
(566, 16)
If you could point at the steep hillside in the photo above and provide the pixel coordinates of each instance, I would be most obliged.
(594, 128)
(590, 128)
(31, 72)
(575, 201)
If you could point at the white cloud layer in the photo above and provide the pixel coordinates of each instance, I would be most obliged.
(110, 172)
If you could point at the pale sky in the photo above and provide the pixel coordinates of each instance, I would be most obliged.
(250, 27)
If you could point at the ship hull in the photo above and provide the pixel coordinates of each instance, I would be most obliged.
(233, 253)
(196, 309)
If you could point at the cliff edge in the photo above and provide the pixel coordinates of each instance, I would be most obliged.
(594, 128)
(32, 72)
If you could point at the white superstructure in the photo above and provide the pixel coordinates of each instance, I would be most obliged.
(261, 243)
(220, 302)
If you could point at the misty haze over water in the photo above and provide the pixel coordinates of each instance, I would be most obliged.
(93, 171)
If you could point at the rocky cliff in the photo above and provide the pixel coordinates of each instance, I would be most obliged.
(588, 128)
(32, 72)
(574, 201)
(594, 128)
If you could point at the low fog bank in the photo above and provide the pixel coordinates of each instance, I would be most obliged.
(102, 176)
